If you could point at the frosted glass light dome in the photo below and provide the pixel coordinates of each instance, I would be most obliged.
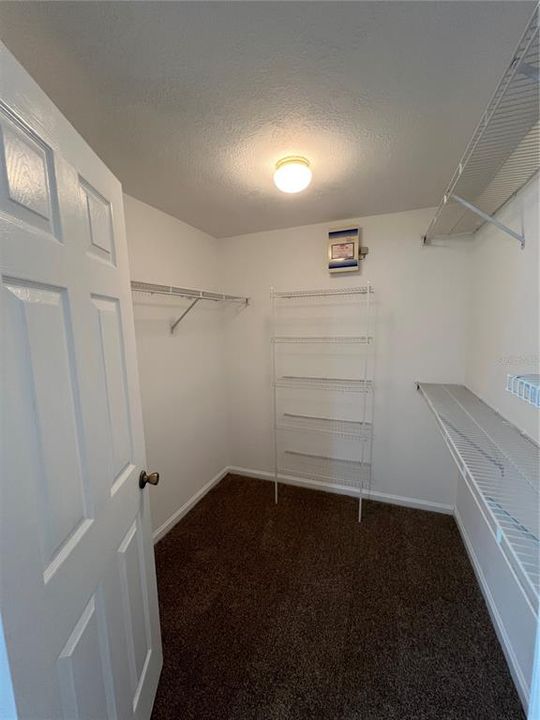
(292, 174)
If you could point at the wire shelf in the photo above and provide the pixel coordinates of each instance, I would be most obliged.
(332, 426)
(335, 339)
(328, 292)
(502, 468)
(504, 152)
(525, 387)
(324, 383)
(323, 468)
(174, 291)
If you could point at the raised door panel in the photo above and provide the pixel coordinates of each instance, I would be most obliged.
(98, 216)
(113, 358)
(135, 606)
(39, 318)
(84, 669)
(27, 183)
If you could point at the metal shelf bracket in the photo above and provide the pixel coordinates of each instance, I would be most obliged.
(490, 219)
(183, 315)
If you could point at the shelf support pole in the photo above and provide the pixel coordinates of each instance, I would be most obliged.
(490, 219)
(183, 315)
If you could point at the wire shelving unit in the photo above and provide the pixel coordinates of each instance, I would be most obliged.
(322, 353)
(501, 467)
(503, 153)
(172, 291)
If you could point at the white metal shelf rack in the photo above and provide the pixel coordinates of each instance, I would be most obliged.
(501, 466)
(503, 153)
(322, 353)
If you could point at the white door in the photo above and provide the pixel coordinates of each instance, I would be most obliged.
(78, 587)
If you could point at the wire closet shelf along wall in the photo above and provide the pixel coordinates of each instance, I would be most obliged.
(503, 153)
(322, 360)
(501, 467)
(172, 291)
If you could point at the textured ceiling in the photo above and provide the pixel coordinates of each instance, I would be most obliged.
(191, 104)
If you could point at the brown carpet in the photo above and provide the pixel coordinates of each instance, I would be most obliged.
(297, 612)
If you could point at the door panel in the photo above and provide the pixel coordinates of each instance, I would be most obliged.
(87, 695)
(113, 358)
(77, 583)
(29, 188)
(137, 627)
(45, 348)
(99, 217)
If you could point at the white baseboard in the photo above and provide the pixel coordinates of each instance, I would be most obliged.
(496, 619)
(344, 490)
(187, 506)
(429, 505)
(300, 482)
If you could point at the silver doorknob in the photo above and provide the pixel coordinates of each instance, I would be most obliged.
(152, 478)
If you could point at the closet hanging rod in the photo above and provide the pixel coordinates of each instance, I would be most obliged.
(188, 293)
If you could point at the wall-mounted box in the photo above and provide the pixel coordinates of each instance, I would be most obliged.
(344, 251)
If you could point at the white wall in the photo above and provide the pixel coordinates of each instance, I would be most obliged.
(504, 310)
(503, 337)
(182, 376)
(421, 296)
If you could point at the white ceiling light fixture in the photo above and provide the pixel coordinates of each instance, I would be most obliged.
(292, 174)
